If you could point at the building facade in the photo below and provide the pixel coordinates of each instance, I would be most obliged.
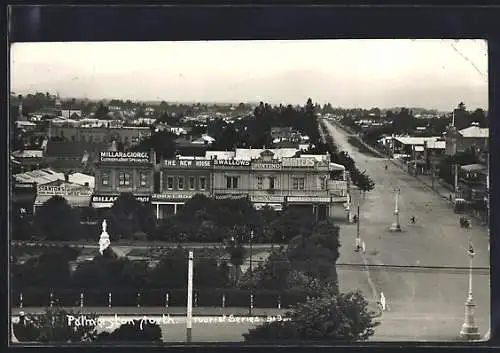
(123, 172)
(181, 179)
(77, 196)
(268, 180)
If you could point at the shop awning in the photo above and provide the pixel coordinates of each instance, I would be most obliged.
(73, 200)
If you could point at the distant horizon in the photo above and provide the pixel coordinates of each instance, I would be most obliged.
(432, 73)
(469, 108)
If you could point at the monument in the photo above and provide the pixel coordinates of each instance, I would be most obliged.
(104, 242)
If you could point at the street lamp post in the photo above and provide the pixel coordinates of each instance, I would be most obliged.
(396, 227)
(470, 330)
(251, 273)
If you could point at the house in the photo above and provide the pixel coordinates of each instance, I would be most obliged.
(204, 139)
(186, 147)
(472, 188)
(472, 137)
(28, 158)
(410, 147)
(434, 151)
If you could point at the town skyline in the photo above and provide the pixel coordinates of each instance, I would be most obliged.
(433, 74)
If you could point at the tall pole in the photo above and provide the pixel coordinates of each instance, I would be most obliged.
(396, 227)
(251, 272)
(470, 330)
(189, 313)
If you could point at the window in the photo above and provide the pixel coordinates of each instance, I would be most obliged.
(298, 183)
(124, 179)
(202, 183)
(232, 182)
(170, 183)
(191, 183)
(180, 183)
(105, 178)
(322, 183)
(271, 182)
(144, 179)
(260, 181)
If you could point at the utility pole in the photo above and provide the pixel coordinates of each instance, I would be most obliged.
(189, 313)
(396, 227)
(251, 273)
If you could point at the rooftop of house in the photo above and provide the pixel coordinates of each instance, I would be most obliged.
(411, 140)
(474, 168)
(440, 145)
(39, 176)
(28, 154)
(475, 132)
(279, 153)
(75, 149)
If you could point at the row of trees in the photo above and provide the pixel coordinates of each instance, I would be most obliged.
(359, 178)
(112, 273)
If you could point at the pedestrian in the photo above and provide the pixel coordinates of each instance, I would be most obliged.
(412, 220)
(358, 244)
(382, 301)
(363, 246)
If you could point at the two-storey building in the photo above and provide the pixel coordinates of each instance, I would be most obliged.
(181, 179)
(118, 172)
(280, 179)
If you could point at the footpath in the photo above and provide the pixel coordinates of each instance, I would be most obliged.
(438, 186)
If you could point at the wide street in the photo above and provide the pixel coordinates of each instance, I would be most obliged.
(424, 304)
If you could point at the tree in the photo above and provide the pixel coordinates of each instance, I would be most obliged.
(56, 325)
(39, 271)
(135, 331)
(330, 317)
(56, 220)
(128, 216)
(237, 256)
(364, 182)
(102, 111)
(292, 222)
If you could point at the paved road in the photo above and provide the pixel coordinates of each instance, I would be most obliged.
(423, 305)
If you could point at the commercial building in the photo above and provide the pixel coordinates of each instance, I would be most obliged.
(76, 195)
(181, 179)
(275, 178)
(120, 172)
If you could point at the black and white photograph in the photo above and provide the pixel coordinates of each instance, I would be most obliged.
(252, 191)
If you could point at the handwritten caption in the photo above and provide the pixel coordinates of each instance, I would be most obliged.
(110, 323)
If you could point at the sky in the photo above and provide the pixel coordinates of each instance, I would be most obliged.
(384, 73)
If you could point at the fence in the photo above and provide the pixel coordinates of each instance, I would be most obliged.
(35, 297)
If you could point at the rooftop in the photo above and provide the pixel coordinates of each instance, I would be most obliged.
(39, 176)
(410, 140)
(475, 132)
(436, 144)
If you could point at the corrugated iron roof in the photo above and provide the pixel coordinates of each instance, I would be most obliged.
(475, 132)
